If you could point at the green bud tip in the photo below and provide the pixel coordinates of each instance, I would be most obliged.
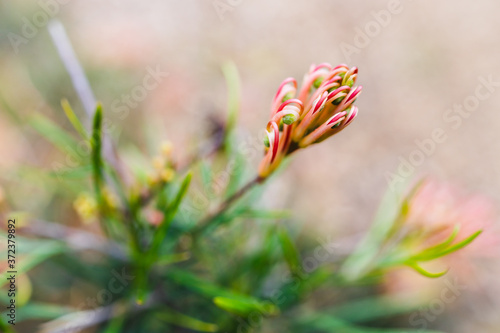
(317, 82)
(266, 141)
(289, 119)
(287, 97)
(350, 82)
(337, 101)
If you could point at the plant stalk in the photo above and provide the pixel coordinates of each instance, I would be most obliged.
(228, 202)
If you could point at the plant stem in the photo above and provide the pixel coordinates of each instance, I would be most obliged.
(228, 202)
(76, 239)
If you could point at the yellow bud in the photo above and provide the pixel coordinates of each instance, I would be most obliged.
(152, 180)
(166, 148)
(85, 206)
(167, 175)
(158, 162)
(110, 198)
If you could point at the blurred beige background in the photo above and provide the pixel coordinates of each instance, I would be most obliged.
(415, 64)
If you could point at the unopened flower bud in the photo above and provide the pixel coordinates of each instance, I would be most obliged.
(167, 175)
(322, 107)
(158, 162)
(289, 119)
(350, 82)
(166, 148)
(318, 82)
(85, 206)
(337, 101)
(287, 97)
(266, 141)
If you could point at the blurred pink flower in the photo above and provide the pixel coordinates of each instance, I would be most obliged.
(321, 108)
(435, 211)
(438, 208)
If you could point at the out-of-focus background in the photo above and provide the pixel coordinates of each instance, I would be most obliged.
(425, 67)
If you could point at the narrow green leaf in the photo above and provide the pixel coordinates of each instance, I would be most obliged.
(96, 147)
(54, 134)
(390, 215)
(262, 262)
(150, 255)
(174, 206)
(244, 307)
(36, 257)
(182, 320)
(404, 209)
(198, 285)
(72, 117)
(141, 283)
(323, 322)
(424, 272)
(116, 325)
(459, 245)
(429, 252)
(172, 258)
(361, 261)
(82, 171)
(172, 209)
(224, 296)
(290, 252)
(97, 163)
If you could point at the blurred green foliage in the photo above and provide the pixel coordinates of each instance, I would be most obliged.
(166, 264)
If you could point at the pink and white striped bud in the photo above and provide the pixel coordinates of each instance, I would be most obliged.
(323, 108)
(286, 91)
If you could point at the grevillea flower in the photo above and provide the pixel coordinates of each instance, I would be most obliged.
(321, 108)
(438, 208)
(437, 211)
(431, 224)
(440, 221)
